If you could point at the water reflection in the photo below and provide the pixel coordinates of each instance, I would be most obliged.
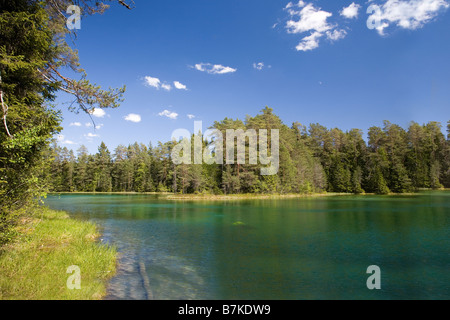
(312, 248)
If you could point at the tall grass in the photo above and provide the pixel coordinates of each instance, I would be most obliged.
(34, 265)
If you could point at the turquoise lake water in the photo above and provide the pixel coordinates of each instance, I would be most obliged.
(290, 249)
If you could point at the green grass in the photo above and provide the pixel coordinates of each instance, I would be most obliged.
(34, 265)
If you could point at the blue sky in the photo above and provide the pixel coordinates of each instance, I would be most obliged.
(312, 61)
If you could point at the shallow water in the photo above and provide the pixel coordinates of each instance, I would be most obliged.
(308, 248)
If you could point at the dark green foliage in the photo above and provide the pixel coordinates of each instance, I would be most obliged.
(28, 122)
(314, 160)
(33, 53)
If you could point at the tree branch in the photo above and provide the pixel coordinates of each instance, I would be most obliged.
(125, 5)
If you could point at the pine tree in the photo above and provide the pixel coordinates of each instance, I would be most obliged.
(393, 160)
(103, 169)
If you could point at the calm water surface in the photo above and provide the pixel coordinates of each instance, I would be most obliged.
(312, 248)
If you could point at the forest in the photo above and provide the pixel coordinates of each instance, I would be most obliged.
(312, 159)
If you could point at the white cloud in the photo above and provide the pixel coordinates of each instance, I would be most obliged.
(133, 118)
(190, 116)
(299, 4)
(335, 35)
(311, 19)
(62, 140)
(258, 66)
(75, 124)
(99, 113)
(166, 86)
(179, 85)
(351, 11)
(91, 135)
(168, 114)
(407, 14)
(199, 67)
(99, 126)
(156, 83)
(152, 82)
(214, 69)
(310, 42)
(305, 17)
(88, 124)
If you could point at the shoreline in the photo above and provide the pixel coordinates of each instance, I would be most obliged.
(48, 247)
(240, 197)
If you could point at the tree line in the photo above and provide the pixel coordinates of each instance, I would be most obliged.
(312, 159)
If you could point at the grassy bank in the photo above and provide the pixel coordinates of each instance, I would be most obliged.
(34, 265)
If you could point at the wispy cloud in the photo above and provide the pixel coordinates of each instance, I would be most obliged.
(337, 34)
(166, 86)
(91, 135)
(258, 66)
(132, 117)
(158, 84)
(62, 140)
(214, 68)
(168, 114)
(75, 124)
(190, 116)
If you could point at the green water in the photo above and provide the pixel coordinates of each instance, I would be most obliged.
(314, 248)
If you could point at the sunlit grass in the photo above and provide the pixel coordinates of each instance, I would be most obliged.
(33, 267)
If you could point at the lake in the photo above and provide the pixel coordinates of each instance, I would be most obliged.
(306, 248)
